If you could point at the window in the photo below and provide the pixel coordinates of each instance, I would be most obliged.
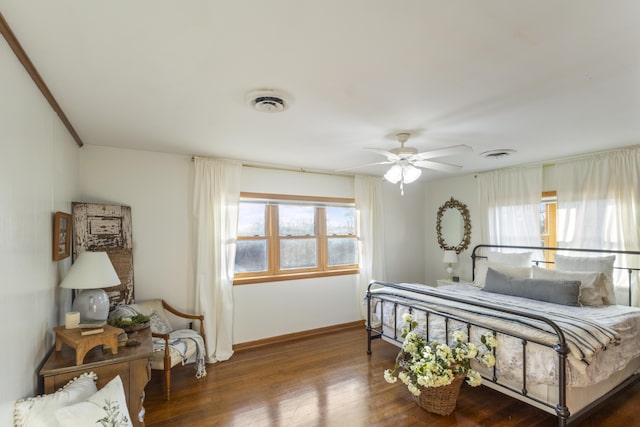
(548, 223)
(291, 237)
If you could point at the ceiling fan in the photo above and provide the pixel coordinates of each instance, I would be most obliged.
(407, 162)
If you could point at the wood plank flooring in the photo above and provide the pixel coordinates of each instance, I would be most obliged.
(329, 380)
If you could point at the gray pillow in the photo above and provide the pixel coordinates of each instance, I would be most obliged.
(565, 292)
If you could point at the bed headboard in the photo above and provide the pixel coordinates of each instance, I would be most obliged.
(629, 262)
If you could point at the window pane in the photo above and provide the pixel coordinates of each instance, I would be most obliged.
(296, 220)
(251, 256)
(251, 219)
(343, 251)
(341, 221)
(298, 253)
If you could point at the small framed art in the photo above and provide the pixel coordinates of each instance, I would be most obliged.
(61, 235)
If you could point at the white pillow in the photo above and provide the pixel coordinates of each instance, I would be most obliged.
(592, 288)
(482, 266)
(514, 259)
(107, 407)
(38, 411)
(602, 264)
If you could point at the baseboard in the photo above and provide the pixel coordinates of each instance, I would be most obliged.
(298, 335)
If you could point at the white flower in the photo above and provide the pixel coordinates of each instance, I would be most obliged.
(407, 317)
(409, 347)
(473, 378)
(413, 389)
(459, 336)
(488, 359)
(404, 377)
(472, 350)
(490, 341)
(388, 376)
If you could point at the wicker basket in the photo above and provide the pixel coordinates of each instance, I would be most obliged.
(440, 400)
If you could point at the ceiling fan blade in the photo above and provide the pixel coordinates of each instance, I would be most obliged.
(364, 166)
(443, 152)
(388, 154)
(442, 167)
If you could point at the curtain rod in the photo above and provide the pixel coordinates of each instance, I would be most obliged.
(283, 169)
(553, 162)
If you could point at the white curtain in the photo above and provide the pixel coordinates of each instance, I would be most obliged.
(215, 206)
(368, 196)
(599, 207)
(509, 201)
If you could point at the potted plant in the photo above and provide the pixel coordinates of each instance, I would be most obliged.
(433, 372)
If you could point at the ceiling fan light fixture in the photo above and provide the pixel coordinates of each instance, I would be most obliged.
(410, 174)
(394, 174)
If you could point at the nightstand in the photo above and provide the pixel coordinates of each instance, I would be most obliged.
(446, 282)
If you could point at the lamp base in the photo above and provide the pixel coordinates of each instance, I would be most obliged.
(449, 272)
(93, 305)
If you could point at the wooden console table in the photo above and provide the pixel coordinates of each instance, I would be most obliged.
(131, 363)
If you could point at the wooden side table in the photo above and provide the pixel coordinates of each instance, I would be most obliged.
(131, 363)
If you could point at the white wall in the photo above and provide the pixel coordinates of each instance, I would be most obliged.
(157, 187)
(463, 189)
(38, 176)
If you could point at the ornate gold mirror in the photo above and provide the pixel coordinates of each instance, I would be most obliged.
(453, 226)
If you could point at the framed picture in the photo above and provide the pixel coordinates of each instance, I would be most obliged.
(61, 235)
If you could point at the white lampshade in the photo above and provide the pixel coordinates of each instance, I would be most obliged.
(450, 257)
(91, 272)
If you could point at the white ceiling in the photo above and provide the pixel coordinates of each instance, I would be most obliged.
(547, 78)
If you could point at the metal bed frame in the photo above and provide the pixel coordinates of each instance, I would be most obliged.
(560, 347)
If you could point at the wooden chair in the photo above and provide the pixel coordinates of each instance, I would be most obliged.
(161, 328)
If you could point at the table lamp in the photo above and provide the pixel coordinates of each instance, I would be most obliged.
(90, 273)
(450, 257)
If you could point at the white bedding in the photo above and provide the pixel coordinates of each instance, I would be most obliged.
(542, 366)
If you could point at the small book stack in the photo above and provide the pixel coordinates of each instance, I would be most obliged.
(91, 328)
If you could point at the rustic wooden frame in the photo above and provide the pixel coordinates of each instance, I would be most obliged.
(61, 236)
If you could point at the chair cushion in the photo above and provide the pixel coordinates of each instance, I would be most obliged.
(157, 359)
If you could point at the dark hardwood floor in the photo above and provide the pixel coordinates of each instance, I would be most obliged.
(329, 380)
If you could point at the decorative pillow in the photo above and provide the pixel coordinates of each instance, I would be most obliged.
(149, 307)
(592, 290)
(602, 264)
(107, 407)
(514, 259)
(158, 324)
(37, 411)
(565, 292)
(482, 266)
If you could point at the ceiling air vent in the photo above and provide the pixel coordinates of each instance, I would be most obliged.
(269, 101)
(498, 154)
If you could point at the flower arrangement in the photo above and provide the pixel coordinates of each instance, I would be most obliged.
(432, 364)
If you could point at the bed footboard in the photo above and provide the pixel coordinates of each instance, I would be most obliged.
(386, 293)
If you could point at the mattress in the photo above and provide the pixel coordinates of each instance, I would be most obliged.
(541, 359)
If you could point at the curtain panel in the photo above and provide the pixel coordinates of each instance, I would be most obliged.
(216, 198)
(368, 197)
(509, 201)
(599, 207)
